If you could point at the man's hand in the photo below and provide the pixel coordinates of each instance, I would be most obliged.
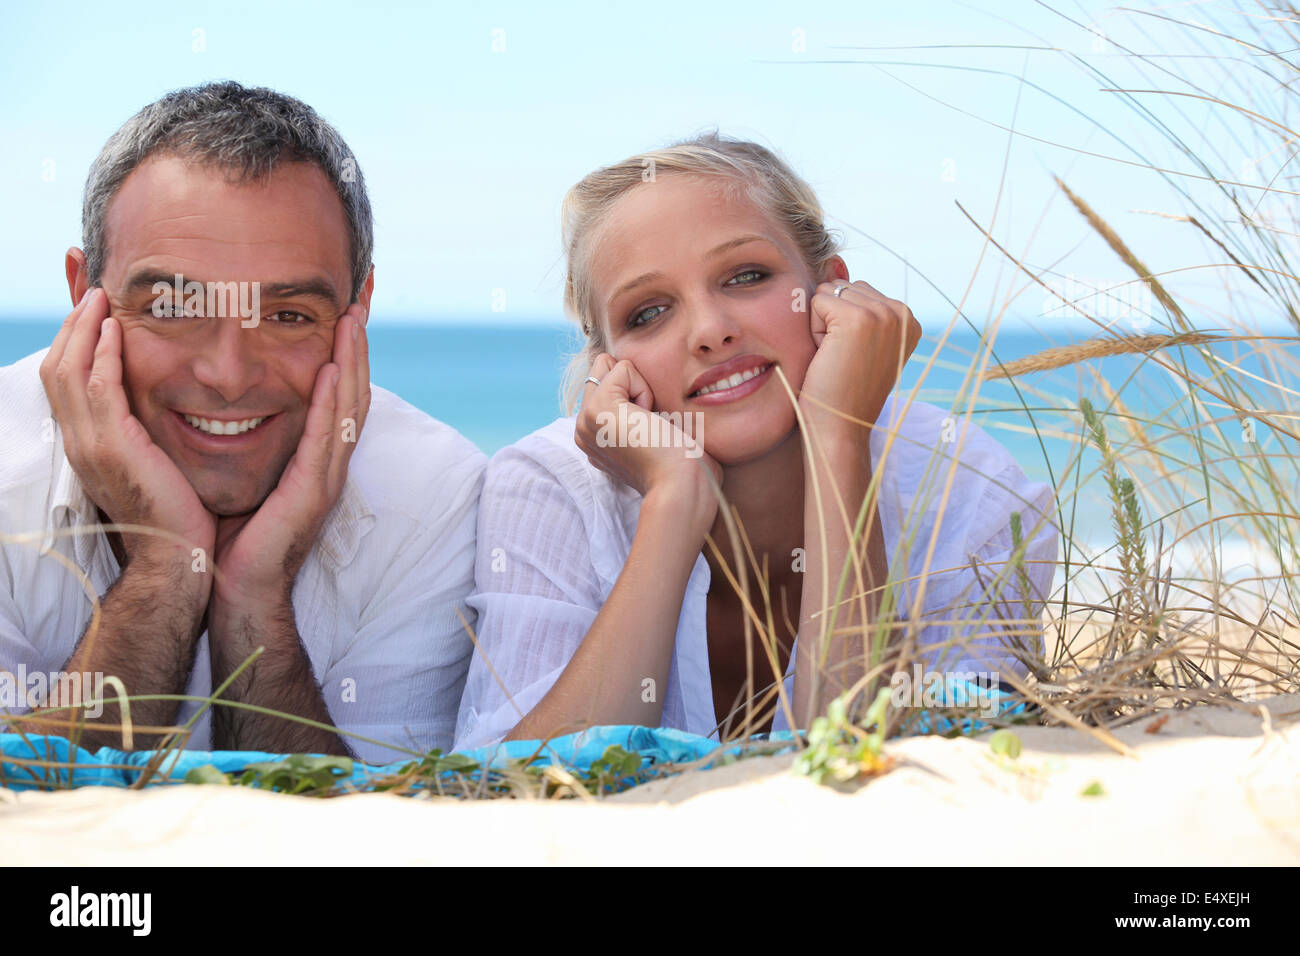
(259, 555)
(150, 619)
(122, 471)
(258, 558)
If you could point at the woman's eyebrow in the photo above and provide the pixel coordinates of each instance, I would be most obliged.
(734, 243)
(711, 254)
(628, 286)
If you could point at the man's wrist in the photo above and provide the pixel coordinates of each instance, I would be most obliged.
(172, 575)
(255, 610)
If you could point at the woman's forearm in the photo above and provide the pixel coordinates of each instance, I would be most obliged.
(828, 664)
(619, 673)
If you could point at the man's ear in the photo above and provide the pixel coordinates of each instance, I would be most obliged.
(74, 265)
(367, 290)
(835, 269)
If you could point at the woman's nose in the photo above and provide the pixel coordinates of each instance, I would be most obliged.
(713, 328)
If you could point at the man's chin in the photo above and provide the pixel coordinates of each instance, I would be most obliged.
(227, 504)
(230, 491)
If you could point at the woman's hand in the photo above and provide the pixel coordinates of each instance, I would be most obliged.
(863, 339)
(621, 435)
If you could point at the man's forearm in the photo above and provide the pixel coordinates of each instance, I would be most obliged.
(280, 679)
(147, 631)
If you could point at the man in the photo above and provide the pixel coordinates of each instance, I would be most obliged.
(208, 400)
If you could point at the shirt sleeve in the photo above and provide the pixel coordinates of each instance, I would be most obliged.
(986, 608)
(536, 593)
(978, 603)
(15, 649)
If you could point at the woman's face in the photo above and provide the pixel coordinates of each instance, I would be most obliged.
(696, 285)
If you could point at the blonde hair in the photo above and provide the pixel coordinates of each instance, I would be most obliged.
(758, 172)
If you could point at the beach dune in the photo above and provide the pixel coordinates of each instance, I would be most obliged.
(1210, 785)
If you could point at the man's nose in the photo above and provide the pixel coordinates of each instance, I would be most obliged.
(228, 360)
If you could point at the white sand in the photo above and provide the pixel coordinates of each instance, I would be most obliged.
(1211, 787)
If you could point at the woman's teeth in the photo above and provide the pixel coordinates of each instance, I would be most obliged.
(224, 428)
(737, 379)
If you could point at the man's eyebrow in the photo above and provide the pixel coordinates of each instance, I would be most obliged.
(148, 278)
(311, 288)
(712, 253)
(314, 288)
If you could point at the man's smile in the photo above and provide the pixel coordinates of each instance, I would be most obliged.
(216, 426)
(207, 433)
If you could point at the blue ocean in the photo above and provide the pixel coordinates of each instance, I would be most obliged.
(496, 384)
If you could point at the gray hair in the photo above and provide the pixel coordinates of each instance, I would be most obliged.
(242, 130)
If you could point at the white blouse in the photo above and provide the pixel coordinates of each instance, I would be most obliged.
(554, 532)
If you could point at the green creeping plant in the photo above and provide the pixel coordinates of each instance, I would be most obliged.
(1005, 743)
(839, 751)
(298, 773)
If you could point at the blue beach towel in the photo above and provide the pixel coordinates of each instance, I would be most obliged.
(108, 767)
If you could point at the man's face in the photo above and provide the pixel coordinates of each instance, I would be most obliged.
(289, 234)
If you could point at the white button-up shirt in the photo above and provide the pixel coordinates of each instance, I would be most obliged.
(376, 601)
(554, 533)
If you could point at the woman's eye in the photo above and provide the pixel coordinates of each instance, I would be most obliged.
(749, 276)
(288, 318)
(644, 316)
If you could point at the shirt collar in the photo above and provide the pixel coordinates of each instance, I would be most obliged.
(69, 506)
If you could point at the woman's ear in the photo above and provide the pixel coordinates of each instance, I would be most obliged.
(834, 269)
(74, 266)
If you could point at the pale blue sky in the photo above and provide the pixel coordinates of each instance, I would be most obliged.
(468, 150)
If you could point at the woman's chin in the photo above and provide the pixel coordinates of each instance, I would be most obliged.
(743, 448)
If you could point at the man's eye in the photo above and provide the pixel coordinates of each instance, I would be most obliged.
(750, 276)
(169, 312)
(288, 318)
(644, 316)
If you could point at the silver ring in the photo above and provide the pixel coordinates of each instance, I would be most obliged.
(840, 288)
(593, 380)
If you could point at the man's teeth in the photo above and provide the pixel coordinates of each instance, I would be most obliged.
(735, 380)
(223, 428)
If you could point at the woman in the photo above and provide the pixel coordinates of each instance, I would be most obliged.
(610, 584)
